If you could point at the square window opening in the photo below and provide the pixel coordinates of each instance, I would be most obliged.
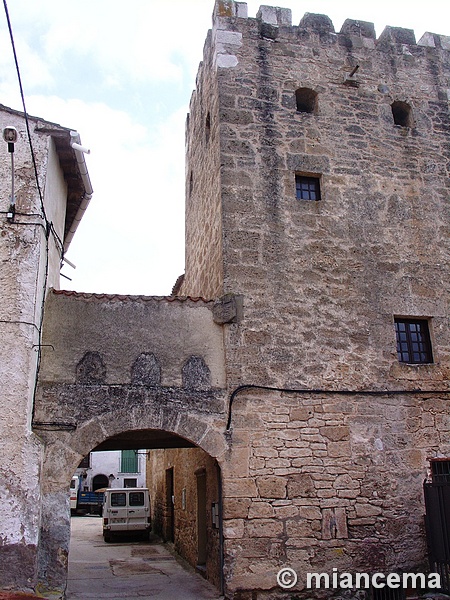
(307, 187)
(413, 341)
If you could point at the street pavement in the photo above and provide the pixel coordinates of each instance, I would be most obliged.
(128, 569)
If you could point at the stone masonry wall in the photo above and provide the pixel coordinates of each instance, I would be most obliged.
(329, 479)
(186, 464)
(322, 481)
(325, 279)
(204, 276)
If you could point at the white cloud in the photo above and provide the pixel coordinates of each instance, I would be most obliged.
(141, 57)
(131, 238)
(147, 40)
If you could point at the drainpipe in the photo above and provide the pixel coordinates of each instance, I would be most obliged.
(80, 151)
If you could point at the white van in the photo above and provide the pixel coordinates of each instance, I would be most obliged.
(126, 510)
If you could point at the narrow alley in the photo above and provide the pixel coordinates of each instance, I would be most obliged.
(131, 570)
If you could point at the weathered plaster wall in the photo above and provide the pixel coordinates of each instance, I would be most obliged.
(55, 194)
(23, 252)
(186, 463)
(110, 462)
(124, 329)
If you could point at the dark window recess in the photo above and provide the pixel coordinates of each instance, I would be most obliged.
(307, 188)
(86, 462)
(129, 483)
(306, 100)
(387, 593)
(208, 127)
(402, 114)
(440, 471)
(413, 341)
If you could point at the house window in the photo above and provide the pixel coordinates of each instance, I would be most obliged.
(413, 341)
(306, 100)
(130, 483)
(402, 114)
(440, 470)
(307, 188)
(129, 461)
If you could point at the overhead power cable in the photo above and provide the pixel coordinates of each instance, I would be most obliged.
(49, 225)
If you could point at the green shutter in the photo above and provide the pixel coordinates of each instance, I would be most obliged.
(129, 461)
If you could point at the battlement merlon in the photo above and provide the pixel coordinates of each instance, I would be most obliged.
(227, 40)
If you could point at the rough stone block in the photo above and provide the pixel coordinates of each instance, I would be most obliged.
(358, 28)
(240, 488)
(396, 35)
(233, 528)
(260, 510)
(274, 16)
(271, 487)
(316, 23)
(300, 486)
(335, 433)
(261, 528)
(367, 510)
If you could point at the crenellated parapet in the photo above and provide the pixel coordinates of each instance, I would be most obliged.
(276, 23)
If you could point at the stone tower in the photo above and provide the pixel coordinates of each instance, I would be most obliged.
(317, 198)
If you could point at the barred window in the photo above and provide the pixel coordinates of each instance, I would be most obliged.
(413, 341)
(307, 188)
(440, 470)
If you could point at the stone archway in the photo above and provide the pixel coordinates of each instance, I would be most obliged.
(148, 426)
(116, 364)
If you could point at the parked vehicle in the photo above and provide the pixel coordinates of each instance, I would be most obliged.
(125, 511)
(83, 501)
(74, 486)
(91, 502)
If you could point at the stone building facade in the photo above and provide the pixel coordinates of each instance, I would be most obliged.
(35, 227)
(331, 431)
(305, 359)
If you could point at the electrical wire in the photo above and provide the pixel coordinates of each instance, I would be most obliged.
(49, 225)
(324, 392)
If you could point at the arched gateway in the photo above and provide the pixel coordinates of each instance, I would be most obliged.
(131, 373)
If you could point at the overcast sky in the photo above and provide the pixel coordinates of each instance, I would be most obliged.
(121, 74)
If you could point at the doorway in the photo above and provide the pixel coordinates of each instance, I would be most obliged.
(170, 506)
(202, 529)
(99, 482)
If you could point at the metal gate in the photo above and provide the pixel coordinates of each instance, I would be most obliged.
(437, 523)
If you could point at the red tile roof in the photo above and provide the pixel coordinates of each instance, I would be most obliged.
(125, 298)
